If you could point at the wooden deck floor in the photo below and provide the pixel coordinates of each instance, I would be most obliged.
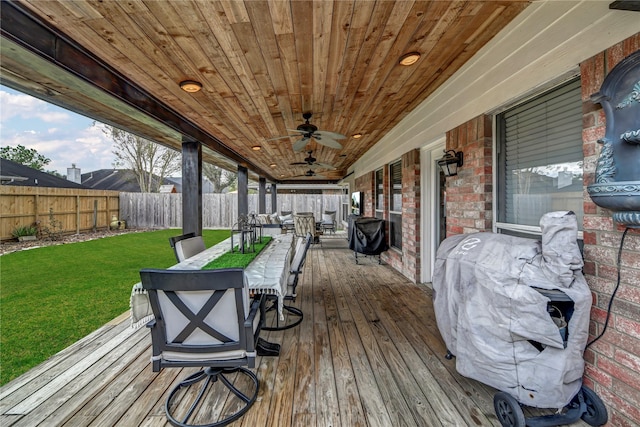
(368, 353)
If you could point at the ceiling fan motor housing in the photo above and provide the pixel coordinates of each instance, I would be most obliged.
(307, 128)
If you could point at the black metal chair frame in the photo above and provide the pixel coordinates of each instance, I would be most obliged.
(219, 282)
(294, 273)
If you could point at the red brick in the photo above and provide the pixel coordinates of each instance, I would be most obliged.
(598, 376)
(631, 361)
(628, 326)
(621, 405)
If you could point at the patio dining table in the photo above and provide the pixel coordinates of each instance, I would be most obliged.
(266, 274)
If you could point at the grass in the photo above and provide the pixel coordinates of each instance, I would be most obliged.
(50, 297)
(237, 259)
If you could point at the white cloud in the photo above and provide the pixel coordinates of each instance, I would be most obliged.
(74, 139)
(23, 106)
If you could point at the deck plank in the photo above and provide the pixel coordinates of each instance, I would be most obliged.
(368, 353)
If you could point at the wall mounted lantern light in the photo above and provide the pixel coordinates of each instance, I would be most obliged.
(450, 162)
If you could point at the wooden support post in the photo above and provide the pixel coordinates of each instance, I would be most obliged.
(274, 198)
(192, 187)
(262, 195)
(243, 191)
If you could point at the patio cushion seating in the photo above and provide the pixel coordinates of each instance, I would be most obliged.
(275, 219)
(286, 220)
(328, 221)
(264, 219)
(205, 318)
(186, 245)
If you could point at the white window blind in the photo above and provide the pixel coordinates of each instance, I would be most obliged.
(540, 157)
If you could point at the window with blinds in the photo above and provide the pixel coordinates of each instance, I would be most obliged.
(540, 157)
(395, 204)
(379, 203)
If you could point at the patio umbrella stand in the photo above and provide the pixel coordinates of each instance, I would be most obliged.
(515, 313)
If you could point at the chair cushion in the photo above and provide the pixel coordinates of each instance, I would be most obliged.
(286, 218)
(175, 356)
(328, 218)
(189, 247)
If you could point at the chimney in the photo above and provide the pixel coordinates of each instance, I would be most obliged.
(73, 174)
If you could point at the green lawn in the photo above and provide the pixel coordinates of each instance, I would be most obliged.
(50, 297)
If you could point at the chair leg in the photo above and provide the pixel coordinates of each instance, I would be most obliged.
(211, 376)
(293, 311)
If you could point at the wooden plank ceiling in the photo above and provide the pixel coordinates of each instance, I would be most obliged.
(262, 64)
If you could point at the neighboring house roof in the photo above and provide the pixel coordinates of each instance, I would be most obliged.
(168, 188)
(123, 180)
(207, 186)
(18, 174)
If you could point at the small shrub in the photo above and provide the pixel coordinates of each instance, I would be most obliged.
(26, 230)
(53, 230)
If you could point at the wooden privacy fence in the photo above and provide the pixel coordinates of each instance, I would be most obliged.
(156, 210)
(74, 210)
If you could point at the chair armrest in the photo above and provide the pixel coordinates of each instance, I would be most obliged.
(151, 323)
(253, 310)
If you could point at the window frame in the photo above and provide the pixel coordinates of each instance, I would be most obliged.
(500, 194)
(379, 207)
(395, 214)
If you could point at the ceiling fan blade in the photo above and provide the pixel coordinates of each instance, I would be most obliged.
(326, 166)
(331, 143)
(281, 137)
(299, 164)
(329, 134)
(300, 144)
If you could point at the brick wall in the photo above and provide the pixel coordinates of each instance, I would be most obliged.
(613, 368)
(469, 194)
(408, 261)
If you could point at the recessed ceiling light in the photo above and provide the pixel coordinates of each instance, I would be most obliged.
(409, 58)
(256, 148)
(273, 165)
(356, 135)
(190, 86)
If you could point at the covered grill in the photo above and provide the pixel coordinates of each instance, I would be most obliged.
(367, 236)
(515, 311)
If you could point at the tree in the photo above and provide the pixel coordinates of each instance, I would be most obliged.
(25, 156)
(220, 178)
(150, 162)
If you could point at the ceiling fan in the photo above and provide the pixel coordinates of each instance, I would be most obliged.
(308, 131)
(310, 173)
(311, 162)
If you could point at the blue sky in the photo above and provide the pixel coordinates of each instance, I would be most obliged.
(61, 135)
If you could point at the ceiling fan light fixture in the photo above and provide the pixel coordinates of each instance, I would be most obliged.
(409, 58)
(190, 86)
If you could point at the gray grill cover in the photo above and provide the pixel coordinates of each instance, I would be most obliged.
(487, 310)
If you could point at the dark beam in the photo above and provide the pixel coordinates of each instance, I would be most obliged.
(21, 26)
(632, 5)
